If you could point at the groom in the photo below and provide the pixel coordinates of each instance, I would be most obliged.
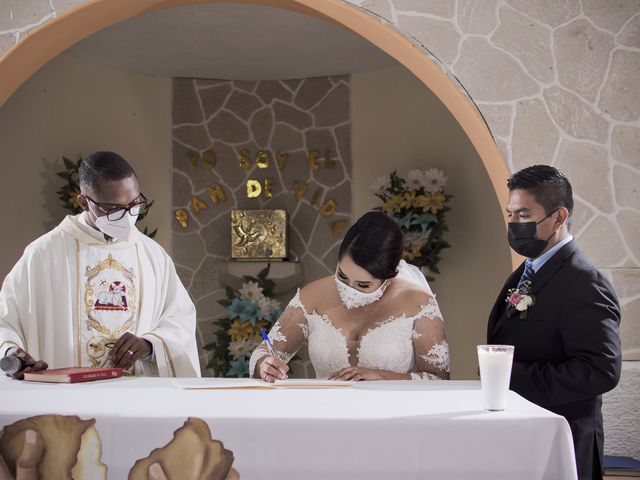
(564, 317)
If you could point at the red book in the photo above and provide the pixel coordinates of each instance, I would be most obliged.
(73, 375)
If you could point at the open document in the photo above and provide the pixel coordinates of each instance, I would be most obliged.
(251, 383)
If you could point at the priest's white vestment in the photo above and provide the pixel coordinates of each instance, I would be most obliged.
(73, 294)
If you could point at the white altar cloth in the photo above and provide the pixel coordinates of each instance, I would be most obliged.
(373, 430)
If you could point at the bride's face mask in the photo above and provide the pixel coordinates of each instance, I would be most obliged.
(358, 296)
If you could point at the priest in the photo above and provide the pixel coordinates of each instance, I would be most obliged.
(95, 292)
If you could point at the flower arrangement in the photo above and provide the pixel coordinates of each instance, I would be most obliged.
(248, 310)
(418, 205)
(520, 300)
(69, 192)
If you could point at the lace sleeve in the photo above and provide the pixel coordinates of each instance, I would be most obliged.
(430, 345)
(286, 335)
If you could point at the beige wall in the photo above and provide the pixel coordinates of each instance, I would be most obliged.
(69, 109)
(398, 124)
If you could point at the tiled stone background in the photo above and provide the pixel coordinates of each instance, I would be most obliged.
(557, 81)
(291, 116)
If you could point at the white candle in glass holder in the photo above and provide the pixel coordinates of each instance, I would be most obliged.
(495, 363)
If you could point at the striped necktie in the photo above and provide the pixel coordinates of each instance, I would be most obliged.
(527, 275)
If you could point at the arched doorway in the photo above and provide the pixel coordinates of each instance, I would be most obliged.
(27, 58)
(61, 33)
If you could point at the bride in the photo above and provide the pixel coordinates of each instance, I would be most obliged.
(375, 319)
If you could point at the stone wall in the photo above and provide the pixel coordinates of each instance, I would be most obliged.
(239, 119)
(556, 82)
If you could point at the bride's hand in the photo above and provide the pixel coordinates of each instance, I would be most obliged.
(356, 374)
(272, 369)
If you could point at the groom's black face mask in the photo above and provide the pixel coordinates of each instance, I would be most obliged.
(523, 240)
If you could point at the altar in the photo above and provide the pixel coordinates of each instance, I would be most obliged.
(372, 430)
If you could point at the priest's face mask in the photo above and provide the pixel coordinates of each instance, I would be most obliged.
(357, 287)
(114, 206)
(531, 229)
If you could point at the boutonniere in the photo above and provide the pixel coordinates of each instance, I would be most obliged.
(520, 300)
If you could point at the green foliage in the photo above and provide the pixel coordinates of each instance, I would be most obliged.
(419, 207)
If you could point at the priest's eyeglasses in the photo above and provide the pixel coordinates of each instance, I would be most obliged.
(114, 212)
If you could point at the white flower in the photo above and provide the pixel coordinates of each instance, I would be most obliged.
(267, 305)
(275, 304)
(380, 185)
(524, 303)
(415, 179)
(434, 180)
(243, 348)
(251, 291)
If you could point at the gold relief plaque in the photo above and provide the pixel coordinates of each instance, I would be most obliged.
(258, 234)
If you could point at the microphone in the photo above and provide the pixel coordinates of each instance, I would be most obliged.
(11, 364)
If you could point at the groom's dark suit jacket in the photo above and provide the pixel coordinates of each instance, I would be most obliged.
(567, 350)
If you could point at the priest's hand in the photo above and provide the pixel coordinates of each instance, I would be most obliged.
(29, 364)
(129, 349)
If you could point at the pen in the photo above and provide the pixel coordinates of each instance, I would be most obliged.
(265, 337)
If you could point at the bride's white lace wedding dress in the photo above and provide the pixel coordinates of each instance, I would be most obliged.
(411, 342)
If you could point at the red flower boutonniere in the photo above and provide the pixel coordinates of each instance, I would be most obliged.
(520, 300)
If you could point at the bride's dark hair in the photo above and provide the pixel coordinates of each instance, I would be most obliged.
(375, 243)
